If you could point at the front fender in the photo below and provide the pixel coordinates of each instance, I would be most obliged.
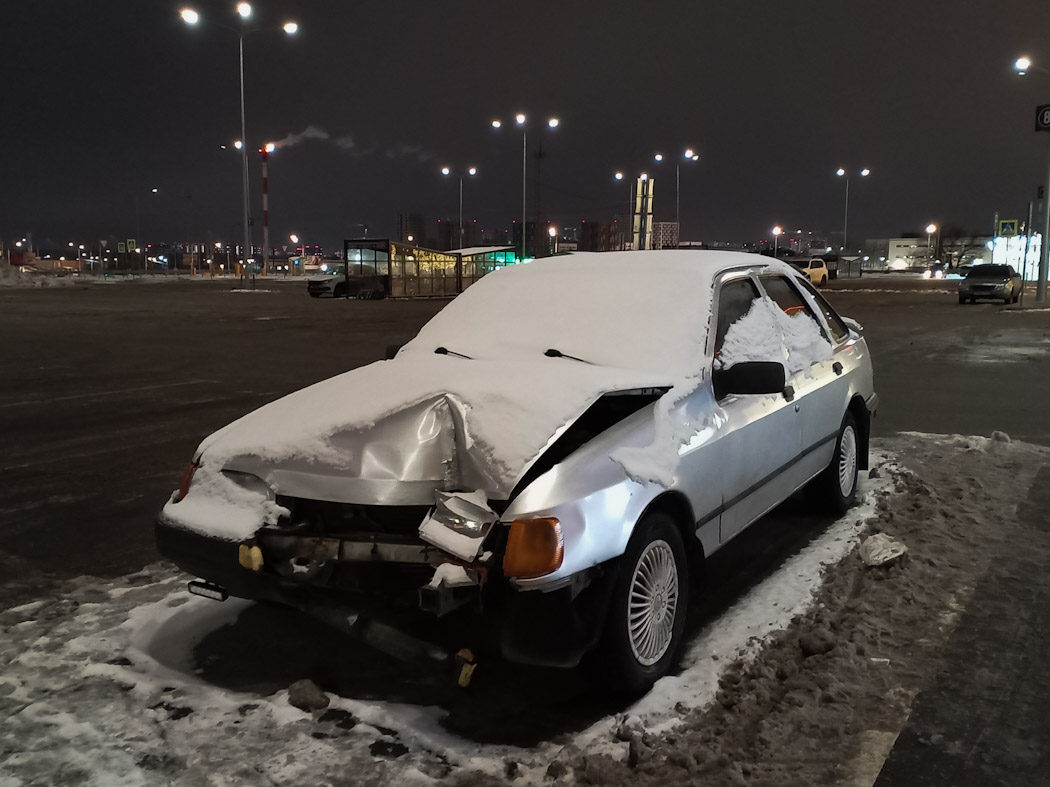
(592, 497)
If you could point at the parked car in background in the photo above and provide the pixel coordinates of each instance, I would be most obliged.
(936, 271)
(331, 280)
(558, 480)
(997, 282)
(814, 268)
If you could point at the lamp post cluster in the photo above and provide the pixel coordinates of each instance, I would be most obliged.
(244, 11)
(521, 120)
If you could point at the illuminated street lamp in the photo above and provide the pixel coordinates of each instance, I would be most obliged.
(777, 232)
(1023, 65)
(521, 120)
(244, 10)
(688, 155)
(472, 171)
(845, 221)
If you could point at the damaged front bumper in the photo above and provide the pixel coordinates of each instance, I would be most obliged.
(360, 587)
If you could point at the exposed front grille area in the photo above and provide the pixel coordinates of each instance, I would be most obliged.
(349, 520)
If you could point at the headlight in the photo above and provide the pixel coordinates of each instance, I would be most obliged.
(250, 482)
(938, 274)
(925, 274)
(462, 514)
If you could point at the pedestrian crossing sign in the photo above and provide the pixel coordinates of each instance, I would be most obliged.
(1007, 228)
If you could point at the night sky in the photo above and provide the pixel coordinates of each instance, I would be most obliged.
(105, 100)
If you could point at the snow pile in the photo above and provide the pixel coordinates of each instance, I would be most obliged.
(13, 277)
(767, 333)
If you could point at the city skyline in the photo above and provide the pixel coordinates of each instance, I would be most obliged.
(107, 104)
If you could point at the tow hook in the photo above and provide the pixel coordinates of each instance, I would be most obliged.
(467, 665)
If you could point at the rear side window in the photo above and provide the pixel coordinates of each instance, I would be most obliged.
(814, 265)
(839, 331)
(734, 301)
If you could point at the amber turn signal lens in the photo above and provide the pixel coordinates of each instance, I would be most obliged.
(534, 548)
(187, 477)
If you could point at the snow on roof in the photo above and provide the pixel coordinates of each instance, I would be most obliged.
(637, 310)
(470, 251)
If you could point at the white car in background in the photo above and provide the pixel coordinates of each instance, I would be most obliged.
(552, 457)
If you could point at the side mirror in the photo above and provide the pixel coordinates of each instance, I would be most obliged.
(392, 350)
(751, 377)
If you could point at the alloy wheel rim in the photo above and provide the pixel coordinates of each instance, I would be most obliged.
(847, 461)
(652, 603)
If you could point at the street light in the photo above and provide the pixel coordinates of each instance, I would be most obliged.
(845, 221)
(777, 232)
(521, 120)
(244, 10)
(688, 155)
(1023, 65)
(931, 228)
(472, 171)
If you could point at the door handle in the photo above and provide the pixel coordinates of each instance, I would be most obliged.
(796, 408)
(837, 367)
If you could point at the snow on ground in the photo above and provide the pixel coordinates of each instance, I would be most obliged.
(13, 277)
(801, 679)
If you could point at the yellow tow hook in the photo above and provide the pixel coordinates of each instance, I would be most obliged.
(250, 557)
(467, 665)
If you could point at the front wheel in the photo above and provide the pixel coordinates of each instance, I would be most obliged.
(823, 281)
(835, 489)
(963, 300)
(340, 291)
(648, 606)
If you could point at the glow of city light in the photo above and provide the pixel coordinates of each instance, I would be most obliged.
(291, 28)
(244, 9)
(189, 16)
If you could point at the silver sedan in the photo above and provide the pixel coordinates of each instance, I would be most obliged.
(548, 461)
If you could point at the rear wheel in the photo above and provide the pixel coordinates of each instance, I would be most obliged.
(835, 489)
(648, 606)
(823, 281)
(963, 300)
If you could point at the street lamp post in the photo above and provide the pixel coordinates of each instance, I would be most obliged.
(777, 232)
(472, 171)
(931, 228)
(845, 221)
(244, 10)
(1023, 65)
(521, 121)
(688, 155)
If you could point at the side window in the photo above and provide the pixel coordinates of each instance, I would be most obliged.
(839, 331)
(814, 265)
(785, 295)
(734, 301)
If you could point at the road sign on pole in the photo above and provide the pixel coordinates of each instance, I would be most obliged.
(121, 248)
(1007, 228)
(1042, 118)
(132, 245)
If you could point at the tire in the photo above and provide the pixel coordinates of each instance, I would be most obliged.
(963, 300)
(315, 295)
(635, 662)
(339, 291)
(835, 489)
(824, 281)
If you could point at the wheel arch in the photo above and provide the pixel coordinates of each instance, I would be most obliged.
(860, 413)
(677, 506)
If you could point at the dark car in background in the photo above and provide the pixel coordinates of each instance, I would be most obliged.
(997, 282)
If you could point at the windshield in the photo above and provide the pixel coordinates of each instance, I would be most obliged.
(989, 272)
(333, 270)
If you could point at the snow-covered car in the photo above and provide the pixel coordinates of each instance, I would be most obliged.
(998, 282)
(556, 453)
(815, 269)
(330, 281)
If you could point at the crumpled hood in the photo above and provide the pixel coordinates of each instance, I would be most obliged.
(393, 431)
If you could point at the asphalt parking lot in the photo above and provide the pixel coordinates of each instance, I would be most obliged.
(105, 390)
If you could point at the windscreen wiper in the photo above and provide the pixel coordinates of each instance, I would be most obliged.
(553, 353)
(446, 351)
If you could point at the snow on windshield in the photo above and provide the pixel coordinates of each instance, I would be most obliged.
(637, 310)
(766, 333)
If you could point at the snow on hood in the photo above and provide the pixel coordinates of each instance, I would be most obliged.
(483, 420)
